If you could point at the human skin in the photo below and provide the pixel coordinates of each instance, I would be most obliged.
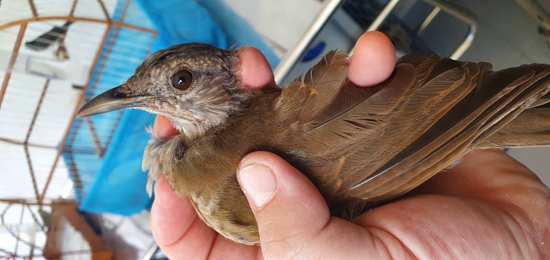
(488, 206)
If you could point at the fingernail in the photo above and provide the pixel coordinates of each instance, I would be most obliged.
(258, 183)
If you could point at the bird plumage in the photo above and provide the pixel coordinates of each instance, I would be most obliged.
(359, 146)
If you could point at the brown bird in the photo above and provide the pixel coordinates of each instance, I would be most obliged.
(359, 146)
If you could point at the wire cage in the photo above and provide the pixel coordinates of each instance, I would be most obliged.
(53, 56)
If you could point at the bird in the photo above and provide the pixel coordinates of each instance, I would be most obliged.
(360, 147)
(55, 35)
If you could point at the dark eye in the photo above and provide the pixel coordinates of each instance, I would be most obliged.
(182, 79)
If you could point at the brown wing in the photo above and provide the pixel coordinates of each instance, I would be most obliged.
(377, 143)
(530, 128)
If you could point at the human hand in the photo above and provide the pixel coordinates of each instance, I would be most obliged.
(489, 206)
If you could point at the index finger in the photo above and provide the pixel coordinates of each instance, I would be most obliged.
(163, 128)
(373, 59)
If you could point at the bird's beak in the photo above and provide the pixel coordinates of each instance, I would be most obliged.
(111, 100)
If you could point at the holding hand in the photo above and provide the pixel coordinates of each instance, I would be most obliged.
(489, 206)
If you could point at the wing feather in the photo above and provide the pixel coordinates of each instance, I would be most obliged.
(371, 144)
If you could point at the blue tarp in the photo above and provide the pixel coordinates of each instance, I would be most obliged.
(118, 186)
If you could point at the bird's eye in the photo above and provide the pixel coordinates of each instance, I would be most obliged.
(182, 79)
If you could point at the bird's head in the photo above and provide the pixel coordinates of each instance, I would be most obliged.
(194, 85)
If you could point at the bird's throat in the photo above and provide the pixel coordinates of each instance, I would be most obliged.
(198, 125)
(200, 120)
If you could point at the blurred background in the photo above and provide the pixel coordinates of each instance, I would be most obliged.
(72, 188)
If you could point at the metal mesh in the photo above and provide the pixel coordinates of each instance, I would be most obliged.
(53, 56)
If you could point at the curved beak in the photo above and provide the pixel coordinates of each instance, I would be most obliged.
(111, 100)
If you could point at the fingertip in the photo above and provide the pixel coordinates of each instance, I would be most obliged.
(284, 172)
(255, 72)
(286, 204)
(257, 181)
(276, 164)
(287, 180)
(373, 59)
(260, 156)
(163, 128)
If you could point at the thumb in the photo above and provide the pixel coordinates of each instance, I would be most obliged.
(289, 209)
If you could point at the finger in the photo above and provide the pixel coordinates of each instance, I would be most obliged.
(373, 59)
(288, 208)
(489, 175)
(226, 249)
(176, 228)
(255, 72)
(477, 172)
(162, 128)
